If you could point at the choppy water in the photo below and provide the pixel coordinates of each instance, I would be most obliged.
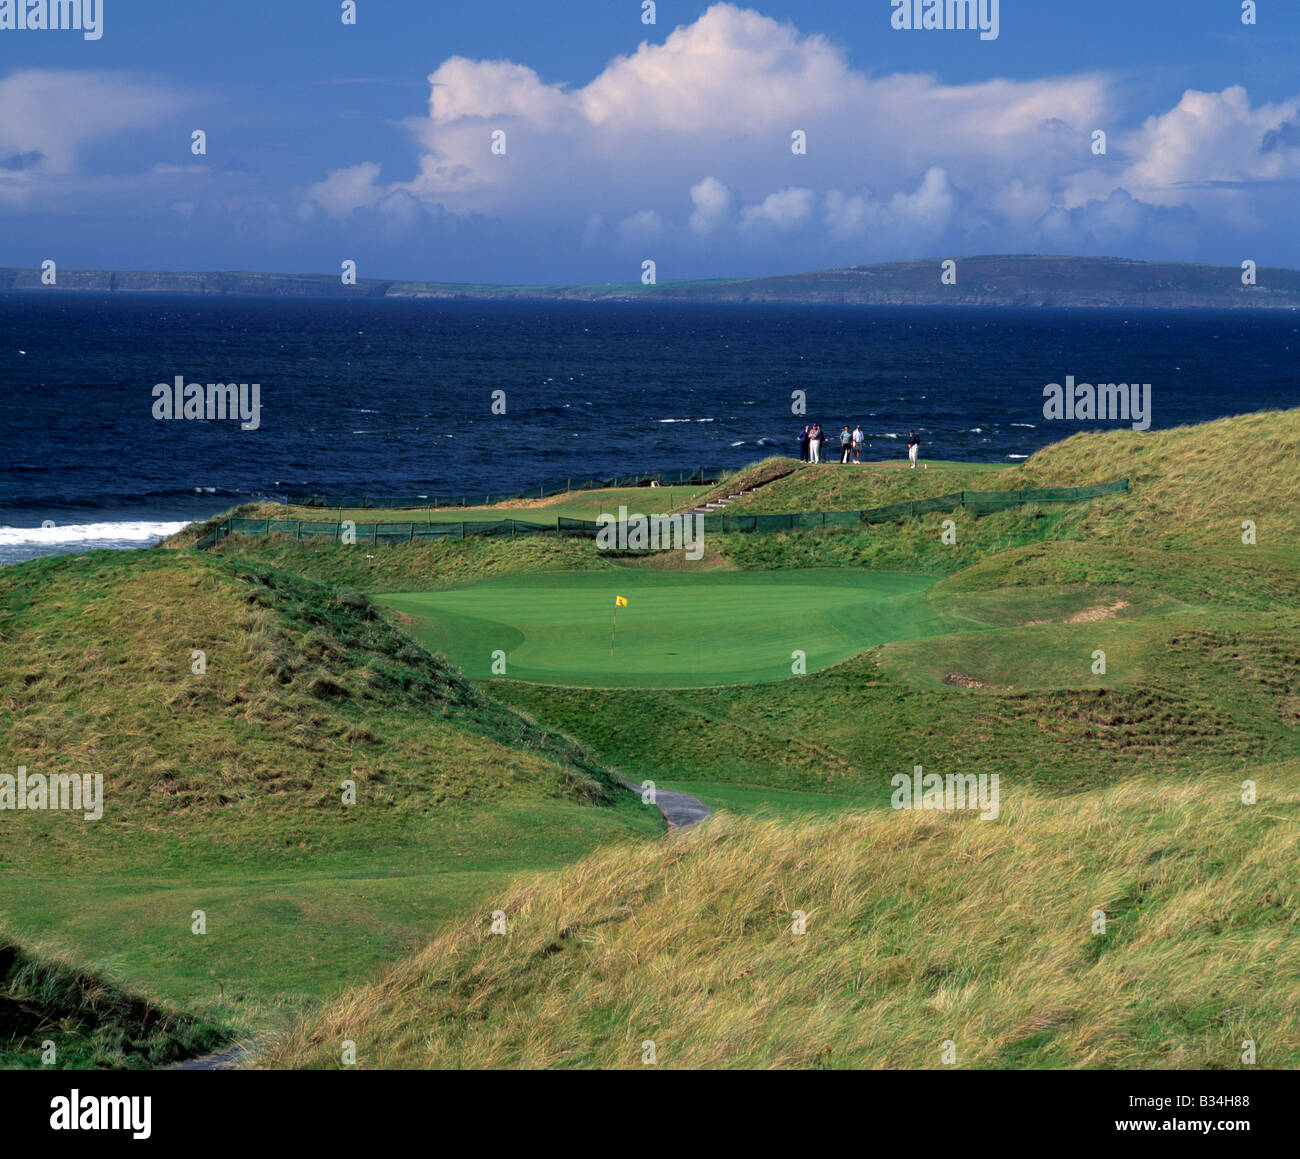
(395, 397)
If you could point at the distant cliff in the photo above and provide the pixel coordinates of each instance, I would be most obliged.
(1017, 280)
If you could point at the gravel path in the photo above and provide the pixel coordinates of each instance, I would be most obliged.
(681, 809)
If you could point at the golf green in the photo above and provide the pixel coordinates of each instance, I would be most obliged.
(677, 630)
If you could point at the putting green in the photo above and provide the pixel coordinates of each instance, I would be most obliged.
(677, 630)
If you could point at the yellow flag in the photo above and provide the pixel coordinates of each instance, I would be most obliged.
(620, 602)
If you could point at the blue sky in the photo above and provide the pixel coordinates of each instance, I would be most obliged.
(626, 141)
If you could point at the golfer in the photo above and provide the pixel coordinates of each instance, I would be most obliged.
(803, 443)
(846, 444)
(815, 443)
(913, 447)
(857, 444)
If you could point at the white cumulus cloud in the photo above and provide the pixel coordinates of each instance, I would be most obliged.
(688, 141)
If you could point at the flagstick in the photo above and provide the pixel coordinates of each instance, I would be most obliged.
(612, 630)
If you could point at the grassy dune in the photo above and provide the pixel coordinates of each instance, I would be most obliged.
(922, 928)
(1193, 483)
(850, 487)
(224, 791)
(62, 1018)
(300, 684)
(419, 566)
(1184, 481)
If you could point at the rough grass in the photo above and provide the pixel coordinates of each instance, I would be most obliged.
(427, 566)
(1217, 472)
(1191, 488)
(304, 687)
(89, 1020)
(223, 791)
(922, 929)
(856, 486)
(1184, 482)
(759, 474)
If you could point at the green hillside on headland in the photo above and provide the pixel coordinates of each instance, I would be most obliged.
(1019, 280)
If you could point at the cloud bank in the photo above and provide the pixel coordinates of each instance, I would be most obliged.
(738, 145)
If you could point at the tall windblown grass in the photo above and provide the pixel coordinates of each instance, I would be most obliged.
(922, 929)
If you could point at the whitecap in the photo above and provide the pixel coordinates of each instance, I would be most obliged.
(132, 531)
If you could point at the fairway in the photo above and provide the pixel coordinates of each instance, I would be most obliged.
(571, 505)
(677, 630)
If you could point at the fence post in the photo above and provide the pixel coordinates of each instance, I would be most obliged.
(412, 538)
(462, 529)
(963, 498)
(911, 509)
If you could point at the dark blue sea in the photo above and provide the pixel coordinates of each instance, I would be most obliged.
(395, 397)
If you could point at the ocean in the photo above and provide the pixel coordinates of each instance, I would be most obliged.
(396, 397)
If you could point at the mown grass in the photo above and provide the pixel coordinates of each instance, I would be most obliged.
(848, 729)
(571, 505)
(923, 929)
(297, 920)
(677, 630)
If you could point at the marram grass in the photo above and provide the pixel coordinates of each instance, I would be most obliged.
(922, 929)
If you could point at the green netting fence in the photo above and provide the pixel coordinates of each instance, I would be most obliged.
(972, 502)
(699, 476)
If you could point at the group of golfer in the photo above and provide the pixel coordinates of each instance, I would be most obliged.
(812, 441)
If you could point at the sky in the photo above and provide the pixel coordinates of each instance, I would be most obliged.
(509, 141)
